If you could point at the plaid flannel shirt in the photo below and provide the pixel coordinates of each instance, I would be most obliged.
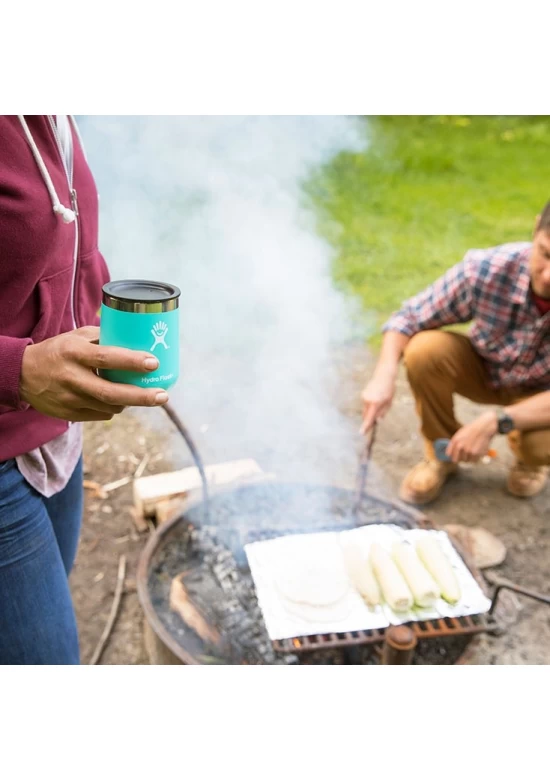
(490, 287)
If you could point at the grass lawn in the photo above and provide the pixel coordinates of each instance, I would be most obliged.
(426, 189)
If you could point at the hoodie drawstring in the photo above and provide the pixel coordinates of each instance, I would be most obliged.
(67, 214)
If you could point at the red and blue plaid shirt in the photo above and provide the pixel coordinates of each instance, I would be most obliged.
(490, 287)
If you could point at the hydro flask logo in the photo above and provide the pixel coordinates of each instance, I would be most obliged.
(159, 332)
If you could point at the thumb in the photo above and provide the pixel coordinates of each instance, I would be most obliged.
(368, 420)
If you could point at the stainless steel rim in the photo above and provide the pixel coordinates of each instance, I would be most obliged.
(114, 297)
(139, 306)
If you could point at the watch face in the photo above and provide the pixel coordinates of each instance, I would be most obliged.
(505, 424)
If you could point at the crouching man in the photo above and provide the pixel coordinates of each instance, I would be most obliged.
(504, 363)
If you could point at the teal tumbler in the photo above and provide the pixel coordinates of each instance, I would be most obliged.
(142, 315)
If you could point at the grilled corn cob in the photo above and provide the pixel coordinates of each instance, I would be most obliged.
(434, 559)
(392, 583)
(360, 573)
(424, 589)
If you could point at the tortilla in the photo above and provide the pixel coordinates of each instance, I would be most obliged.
(328, 613)
(317, 579)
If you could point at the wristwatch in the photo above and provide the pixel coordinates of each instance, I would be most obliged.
(505, 423)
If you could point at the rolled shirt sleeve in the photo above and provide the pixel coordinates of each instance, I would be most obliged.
(448, 300)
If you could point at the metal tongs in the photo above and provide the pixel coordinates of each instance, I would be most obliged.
(362, 473)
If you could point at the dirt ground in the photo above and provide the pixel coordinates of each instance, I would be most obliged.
(476, 497)
(112, 451)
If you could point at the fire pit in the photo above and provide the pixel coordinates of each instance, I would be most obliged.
(199, 598)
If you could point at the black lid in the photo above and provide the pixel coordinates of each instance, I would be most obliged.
(141, 291)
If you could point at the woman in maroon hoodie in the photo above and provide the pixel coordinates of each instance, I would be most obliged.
(51, 274)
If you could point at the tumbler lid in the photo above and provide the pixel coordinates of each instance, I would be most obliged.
(141, 295)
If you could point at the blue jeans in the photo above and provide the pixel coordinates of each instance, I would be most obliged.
(38, 542)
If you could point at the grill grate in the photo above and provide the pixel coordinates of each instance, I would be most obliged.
(427, 629)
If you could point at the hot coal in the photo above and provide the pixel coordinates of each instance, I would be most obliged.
(223, 594)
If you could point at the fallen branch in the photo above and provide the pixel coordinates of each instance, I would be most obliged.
(142, 466)
(114, 611)
(89, 484)
(117, 484)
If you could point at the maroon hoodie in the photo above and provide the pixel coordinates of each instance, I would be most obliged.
(51, 272)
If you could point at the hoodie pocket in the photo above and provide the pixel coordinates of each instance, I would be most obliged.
(91, 276)
(54, 296)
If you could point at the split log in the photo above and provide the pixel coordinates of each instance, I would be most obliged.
(168, 508)
(181, 603)
(150, 490)
(138, 520)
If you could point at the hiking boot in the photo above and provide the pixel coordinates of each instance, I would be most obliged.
(526, 481)
(425, 481)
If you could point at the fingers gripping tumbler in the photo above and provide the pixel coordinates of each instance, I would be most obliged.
(142, 315)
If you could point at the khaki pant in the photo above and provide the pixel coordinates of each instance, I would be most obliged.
(439, 364)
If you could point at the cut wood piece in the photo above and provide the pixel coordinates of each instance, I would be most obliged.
(148, 491)
(139, 521)
(182, 604)
(482, 546)
(168, 508)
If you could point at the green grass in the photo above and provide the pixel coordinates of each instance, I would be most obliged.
(425, 191)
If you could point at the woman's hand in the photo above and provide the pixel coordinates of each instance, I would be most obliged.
(59, 379)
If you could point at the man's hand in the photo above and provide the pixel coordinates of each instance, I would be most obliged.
(472, 441)
(378, 395)
(377, 399)
(58, 377)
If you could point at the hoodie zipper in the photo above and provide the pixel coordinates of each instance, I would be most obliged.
(74, 206)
